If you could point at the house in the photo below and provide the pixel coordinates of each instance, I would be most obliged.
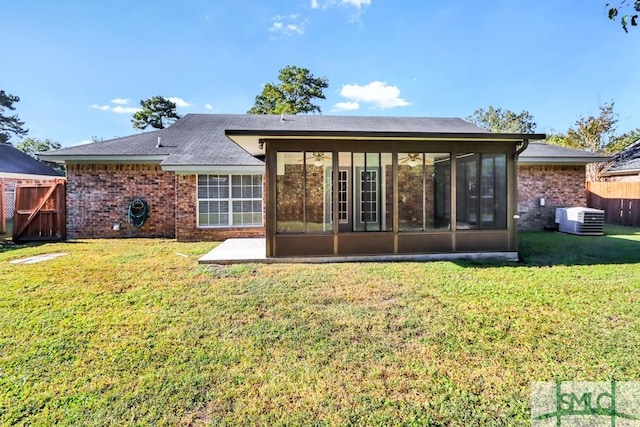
(623, 166)
(17, 168)
(313, 185)
(550, 177)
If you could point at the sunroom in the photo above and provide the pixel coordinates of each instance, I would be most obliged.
(358, 193)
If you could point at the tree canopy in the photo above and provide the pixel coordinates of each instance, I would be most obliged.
(31, 146)
(292, 95)
(9, 124)
(627, 13)
(595, 132)
(619, 143)
(157, 112)
(496, 120)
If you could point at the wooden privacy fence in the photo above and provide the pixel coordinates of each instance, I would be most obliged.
(40, 213)
(619, 200)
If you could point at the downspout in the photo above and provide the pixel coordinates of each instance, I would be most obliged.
(525, 144)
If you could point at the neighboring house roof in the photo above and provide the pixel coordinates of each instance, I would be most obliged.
(542, 153)
(625, 162)
(17, 164)
(197, 141)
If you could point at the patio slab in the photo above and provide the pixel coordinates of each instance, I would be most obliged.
(253, 250)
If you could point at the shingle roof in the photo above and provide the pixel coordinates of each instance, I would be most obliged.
(540, 152)
(14, 163)
(201, 139)
(624, 162)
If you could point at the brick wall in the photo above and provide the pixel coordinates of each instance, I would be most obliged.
(559, 185)
(186, 221)
(98, 196)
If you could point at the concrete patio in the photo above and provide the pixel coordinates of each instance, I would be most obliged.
(241, 251)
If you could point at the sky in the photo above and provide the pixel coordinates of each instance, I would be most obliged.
(81, 68)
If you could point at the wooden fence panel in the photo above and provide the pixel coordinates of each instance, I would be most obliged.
(40, 213)
(619, 200)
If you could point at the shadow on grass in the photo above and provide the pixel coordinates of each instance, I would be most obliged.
(619, 245)
(7, 243)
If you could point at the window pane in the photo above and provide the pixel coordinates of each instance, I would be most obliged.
(423, 191)
(481, 191)
(318, 192)
(289, 192)
(411, 191)
(442, 190)
(372, 187)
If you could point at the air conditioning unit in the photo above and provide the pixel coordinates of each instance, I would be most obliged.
(582, 221)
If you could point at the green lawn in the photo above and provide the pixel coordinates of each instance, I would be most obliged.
(134, 332)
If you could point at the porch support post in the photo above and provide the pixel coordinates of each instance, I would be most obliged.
(335, 204)
(453, 191)
(396, 201)
(270, 200)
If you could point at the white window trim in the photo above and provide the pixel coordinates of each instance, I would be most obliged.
(230, 201)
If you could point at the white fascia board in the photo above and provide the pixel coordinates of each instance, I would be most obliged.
(78, 158)
(213, 169)
(29, 176)
(561, 160)
(621, 172)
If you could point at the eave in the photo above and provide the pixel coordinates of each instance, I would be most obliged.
(561, 160)
(250, 140)
(98, 159)
(227, 169)
(621, 172)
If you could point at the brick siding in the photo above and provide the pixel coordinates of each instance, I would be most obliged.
(98, 196)
(559, 185)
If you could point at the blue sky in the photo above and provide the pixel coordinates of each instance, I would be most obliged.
(80, 68)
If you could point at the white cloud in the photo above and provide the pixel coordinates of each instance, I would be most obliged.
(119, 109)
(357, 3)
(325, 4)
(208, 106)
(378, 94)
(100, 107)
(346, 106)
(288, 25)
(85, 141)
(120, 101)
(178, 101)
(295, 29)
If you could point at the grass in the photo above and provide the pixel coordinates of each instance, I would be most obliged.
(132, 332)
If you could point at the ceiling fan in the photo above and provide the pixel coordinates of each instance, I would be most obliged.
(317, 158)
(415, 159)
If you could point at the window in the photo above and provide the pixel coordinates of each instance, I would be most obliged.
(229, 200)
(481, 190)
(303, 192)
(423, 191)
